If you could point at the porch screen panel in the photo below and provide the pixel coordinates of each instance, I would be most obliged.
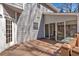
(71, 28)
(46, 31)
(60, 30)
(52, 30)
(8, 30)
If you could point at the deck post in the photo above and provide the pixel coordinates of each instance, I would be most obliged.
(15, 28)
(77, 22)
(64, 29)
(56, 31)
(49, 29)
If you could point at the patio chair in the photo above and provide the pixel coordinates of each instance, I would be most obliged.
(75, 51)
(67, 47)
(77, 40)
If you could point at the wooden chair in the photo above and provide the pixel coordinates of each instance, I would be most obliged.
(77, 40)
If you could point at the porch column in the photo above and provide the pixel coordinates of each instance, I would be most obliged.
(77, 22)
(44, 26)
(64, 29)
(56, 31)
(49, 29)
(15, 28)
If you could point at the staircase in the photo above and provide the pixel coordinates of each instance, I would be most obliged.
(31, 14)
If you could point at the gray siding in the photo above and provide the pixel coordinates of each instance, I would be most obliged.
(41, 29)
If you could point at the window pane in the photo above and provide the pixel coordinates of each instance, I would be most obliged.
(35, 26)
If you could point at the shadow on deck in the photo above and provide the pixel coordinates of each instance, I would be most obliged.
(51, 41)
(23, 50)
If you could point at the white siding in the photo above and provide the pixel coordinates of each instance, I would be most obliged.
(3, 44)
(2, 30)
(55, 18)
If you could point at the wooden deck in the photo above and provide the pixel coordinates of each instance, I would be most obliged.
(51, 41)
(22, 50)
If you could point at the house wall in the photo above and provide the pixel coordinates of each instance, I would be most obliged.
(42, 23)
(32, 14)
(11, 14)
(35, 32)
(3, 44)
(41, 29)
(55, 18)
(40, 32)
(47, 19)
(2, 30)
(60, 18)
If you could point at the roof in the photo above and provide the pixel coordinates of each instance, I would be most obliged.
(13, 7)
(49, 6)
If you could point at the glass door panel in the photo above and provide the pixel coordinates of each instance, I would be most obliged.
(71, 28)
(52, 31)
(60, 31)
(46, 31)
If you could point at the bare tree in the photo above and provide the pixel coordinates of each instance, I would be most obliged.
(67, 7)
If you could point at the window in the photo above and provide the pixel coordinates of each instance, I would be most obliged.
(8, 30)
(38, 5)
(35, 26)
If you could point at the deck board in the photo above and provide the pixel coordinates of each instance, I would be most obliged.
(25, 50)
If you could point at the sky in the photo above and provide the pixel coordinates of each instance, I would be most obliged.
(74, 5)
